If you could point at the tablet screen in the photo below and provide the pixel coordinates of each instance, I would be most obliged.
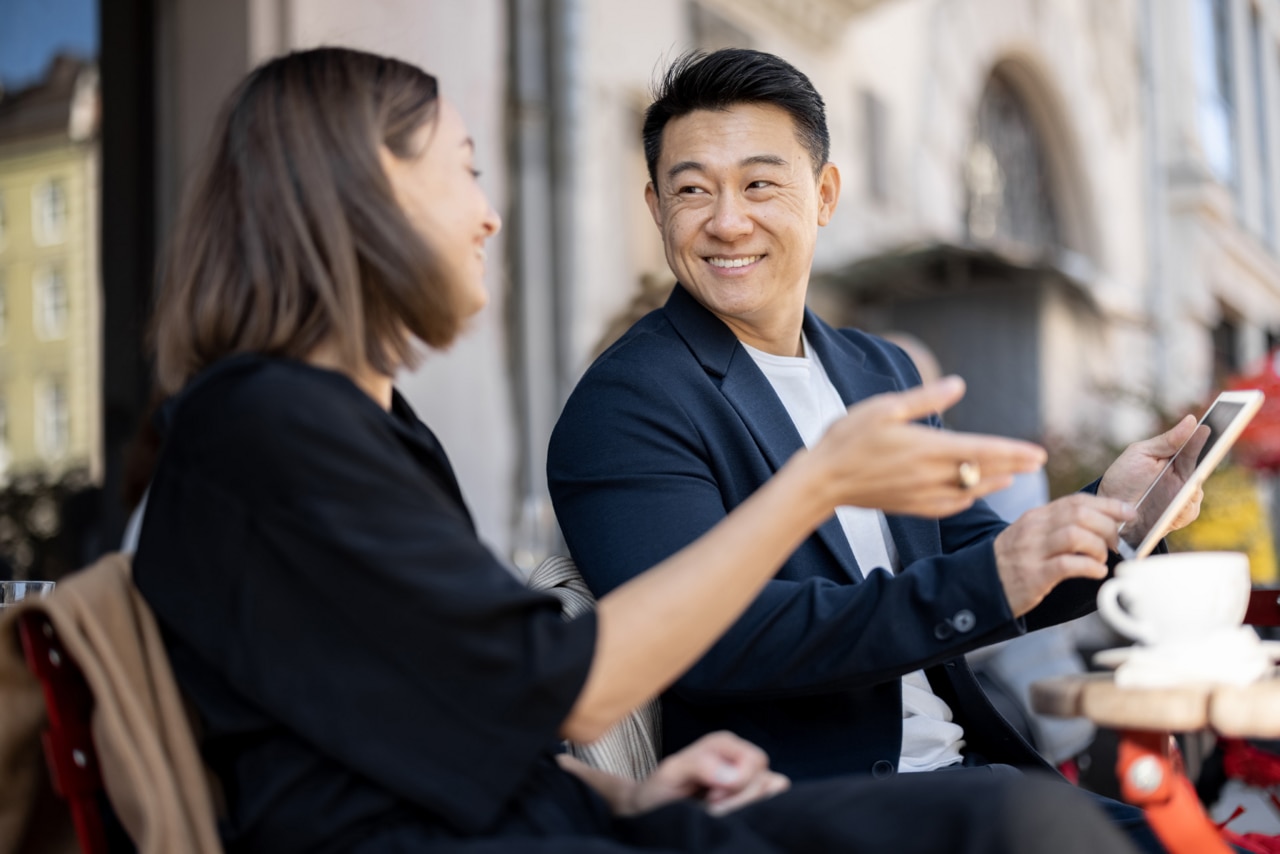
(1164, 489)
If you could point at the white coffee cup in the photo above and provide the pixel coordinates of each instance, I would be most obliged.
(1177, 598)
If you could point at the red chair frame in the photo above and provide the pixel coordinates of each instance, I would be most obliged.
(68, 742)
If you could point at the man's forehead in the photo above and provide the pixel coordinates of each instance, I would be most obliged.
(742, 134)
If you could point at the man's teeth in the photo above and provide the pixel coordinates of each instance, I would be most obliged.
(734, 262)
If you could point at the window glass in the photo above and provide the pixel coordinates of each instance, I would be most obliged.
(49, 210)
(1211, 31)
(1258, 46)
(53, 419)
(875, 124)
(1006, 174)
(51, 302)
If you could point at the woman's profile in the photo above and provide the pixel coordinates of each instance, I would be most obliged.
(367, 675)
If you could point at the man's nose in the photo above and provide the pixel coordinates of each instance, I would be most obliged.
(729, 219)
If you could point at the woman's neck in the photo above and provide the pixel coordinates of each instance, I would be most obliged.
(372, 382)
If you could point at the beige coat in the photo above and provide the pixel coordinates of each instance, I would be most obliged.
(150, 765)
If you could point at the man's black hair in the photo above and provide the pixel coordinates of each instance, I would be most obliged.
(725, 78)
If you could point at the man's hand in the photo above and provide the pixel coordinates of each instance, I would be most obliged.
(1067, 538)
(1140, 464)
(722, 770)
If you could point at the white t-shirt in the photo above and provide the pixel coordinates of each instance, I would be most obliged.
(930, 739)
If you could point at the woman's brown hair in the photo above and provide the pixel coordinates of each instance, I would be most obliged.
(292, 235)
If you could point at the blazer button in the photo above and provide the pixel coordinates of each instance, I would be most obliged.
(943, 631)
(883, 768)
(964, 621)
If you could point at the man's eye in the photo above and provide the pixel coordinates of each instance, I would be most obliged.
(759, 185)
(690, 190)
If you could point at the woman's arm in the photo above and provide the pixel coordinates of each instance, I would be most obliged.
(873, 457)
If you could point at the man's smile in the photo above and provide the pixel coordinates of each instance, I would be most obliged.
(729, 263)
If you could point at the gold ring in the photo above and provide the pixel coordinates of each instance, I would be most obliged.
(968, 474)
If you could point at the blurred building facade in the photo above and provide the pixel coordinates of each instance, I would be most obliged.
(1073, 202)
(50, 381)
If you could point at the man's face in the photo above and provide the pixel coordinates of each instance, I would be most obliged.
(739, 208)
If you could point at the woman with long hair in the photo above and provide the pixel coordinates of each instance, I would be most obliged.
(366, 675)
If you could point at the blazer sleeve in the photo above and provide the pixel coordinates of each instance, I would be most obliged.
(635, 468)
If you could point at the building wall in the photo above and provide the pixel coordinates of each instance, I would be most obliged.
(925, 64)
(1160, 246)
(31, 360)
(1075, 67)
(1217, 251)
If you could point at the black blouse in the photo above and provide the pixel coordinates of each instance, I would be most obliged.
(359, 661)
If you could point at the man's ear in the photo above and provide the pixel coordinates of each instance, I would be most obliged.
(828, 192)
(651, 199)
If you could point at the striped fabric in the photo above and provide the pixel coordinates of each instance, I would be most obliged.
(630, 749)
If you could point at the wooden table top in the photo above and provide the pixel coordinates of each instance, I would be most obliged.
(1248, 711)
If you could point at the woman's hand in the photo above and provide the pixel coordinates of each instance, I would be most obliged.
(723, 771)
(877, 457)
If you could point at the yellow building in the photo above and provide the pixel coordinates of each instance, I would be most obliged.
(50, 388)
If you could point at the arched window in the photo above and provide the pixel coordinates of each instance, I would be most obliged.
(1007, 186)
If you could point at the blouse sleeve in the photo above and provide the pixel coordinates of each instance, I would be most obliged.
(314, 553)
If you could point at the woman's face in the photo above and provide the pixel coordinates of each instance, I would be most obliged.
(439, 190)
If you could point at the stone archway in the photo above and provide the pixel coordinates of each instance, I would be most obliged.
(1013, 287)
(1073, 67)
(1009, 189)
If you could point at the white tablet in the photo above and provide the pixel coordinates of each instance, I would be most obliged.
(1187, 470)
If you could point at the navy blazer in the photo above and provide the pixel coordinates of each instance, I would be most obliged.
(672, 428)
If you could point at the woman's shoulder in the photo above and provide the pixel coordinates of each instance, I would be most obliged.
(272, 385)
(256, 391)
(266, 411)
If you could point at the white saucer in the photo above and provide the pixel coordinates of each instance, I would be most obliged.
(1113, 658)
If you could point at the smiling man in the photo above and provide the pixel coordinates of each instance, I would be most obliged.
(851, 660)
(739, 213)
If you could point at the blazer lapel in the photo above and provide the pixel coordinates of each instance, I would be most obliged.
(748, 391)
(742, 383)
(913, 537)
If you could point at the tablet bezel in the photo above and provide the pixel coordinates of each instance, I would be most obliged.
(1250, 401)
